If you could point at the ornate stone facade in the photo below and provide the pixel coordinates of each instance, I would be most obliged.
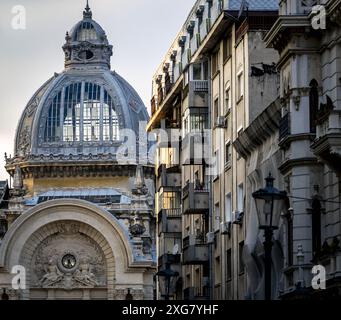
(80, 216)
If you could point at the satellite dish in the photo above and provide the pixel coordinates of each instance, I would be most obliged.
(176, 249)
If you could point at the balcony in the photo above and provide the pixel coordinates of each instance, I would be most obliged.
(194, 148)
(199, 85)
(169, 179)
(327, 143)
(170, 136)
(284, 127)
(195, 199)
(195, 293)
(169, 221)
(198, 94)
(195, 250)
(169, 258)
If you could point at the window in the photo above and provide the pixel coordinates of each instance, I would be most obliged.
(220, 5)
(217, 271)
(217, 217)
(195, 120)
(71, 114)
(82, 112)
(216, 108)
(205, 69)
(241, 260)
(240, 86)
(290, 240)
(210, 5)
(86, 32)
(170, 200)
(228, 155)
(227, 48)
(313, 104)
(91, 120)
(53, 127)
(228, 208)
(196, 71)
(316, 228)
(217, 164)
(215, 62)
(228, 265)
(227, 101)
(240, 198)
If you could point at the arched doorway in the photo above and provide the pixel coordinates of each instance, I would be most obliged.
(72, 249)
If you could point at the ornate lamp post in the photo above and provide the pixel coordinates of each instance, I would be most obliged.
(167, 278)
(268, 201)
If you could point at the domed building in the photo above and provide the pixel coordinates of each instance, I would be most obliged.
(79, 217)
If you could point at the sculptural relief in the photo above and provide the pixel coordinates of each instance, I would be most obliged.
(80, 264)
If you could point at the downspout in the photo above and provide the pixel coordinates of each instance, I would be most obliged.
(210, 199)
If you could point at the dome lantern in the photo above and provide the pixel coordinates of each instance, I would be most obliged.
(87, 44)
(87, 13)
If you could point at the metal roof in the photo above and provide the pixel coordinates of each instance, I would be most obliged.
(256, 5)
(81, 193)
(99, 196)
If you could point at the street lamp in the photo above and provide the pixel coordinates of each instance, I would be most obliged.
(167, 279)
(268, 202)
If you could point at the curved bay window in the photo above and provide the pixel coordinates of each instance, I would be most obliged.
(82, 112)
(195, 120)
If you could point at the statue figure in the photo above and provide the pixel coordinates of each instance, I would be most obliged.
(52, 276)
(85, 276)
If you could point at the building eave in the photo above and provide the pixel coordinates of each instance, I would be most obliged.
(284, 23)
(259, 130)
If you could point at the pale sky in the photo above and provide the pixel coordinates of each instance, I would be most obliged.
(141, 32)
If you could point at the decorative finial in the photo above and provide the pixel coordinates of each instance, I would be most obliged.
(87, 13)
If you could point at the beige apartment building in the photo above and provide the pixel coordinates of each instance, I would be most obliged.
(216, 78)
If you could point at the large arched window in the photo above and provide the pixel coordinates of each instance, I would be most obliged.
(82, 112)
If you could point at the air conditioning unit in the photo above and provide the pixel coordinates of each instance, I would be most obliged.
(239, 215)
(220, 122)
(210, 237)
(225, 228)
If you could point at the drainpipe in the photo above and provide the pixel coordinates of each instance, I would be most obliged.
(210, 199)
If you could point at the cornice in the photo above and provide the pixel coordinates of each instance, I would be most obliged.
(62, 169)
(288, 164)
(296, 137)
(259, 130)
(297, 23)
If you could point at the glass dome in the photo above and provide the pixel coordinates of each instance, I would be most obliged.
(82, 112)
(84, 109)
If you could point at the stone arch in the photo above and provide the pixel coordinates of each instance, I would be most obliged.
(39, 222)
(55, 228)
